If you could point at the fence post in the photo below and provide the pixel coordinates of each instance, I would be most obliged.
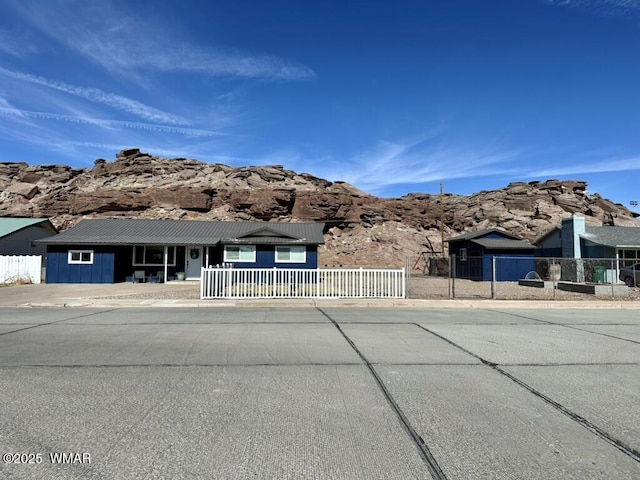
(274, 290)
(555, 281)
(613, 290)
(452, 276)
(407, 269)
(493, 277)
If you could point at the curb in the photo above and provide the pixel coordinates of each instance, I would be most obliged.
(336, 303)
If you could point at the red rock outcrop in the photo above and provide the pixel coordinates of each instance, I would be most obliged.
(363, 230)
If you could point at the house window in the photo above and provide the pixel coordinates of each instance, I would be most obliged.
(153, 255)
(242, 253)
(463, 254)
(628, 257)
(80, 257)
(291, 254)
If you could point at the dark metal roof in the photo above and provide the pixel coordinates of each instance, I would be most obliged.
(613, 236)
(120, 231)
(504, 244)
(482, 233)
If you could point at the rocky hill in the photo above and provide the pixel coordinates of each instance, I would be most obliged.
(363, 230)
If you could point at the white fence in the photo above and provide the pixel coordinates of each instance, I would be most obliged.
(20, 268)
(301, 283)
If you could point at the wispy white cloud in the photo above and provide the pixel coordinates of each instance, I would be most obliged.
(607, 7)
(15, 43)
(602, 166)
(15, 113)
(95, 95)
(5, 105)
(35, 134)
(217, 63)
(188, 132)
(433, 158)
(415, 162)
(120, 42)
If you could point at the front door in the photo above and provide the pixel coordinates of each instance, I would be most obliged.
(193, 262)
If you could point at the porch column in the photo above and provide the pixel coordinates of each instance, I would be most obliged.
(206, 257)
(166, 261)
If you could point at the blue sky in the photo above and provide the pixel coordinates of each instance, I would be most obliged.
(392, 96)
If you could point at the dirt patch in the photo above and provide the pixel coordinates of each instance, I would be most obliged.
(166, 292)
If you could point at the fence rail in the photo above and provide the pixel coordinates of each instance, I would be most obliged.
(301, 283)
(20, 268)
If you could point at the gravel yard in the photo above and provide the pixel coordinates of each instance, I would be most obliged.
(169, 291)
(438, 287)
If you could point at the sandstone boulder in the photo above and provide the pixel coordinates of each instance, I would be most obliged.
(27, 190)
(197, 199)
(110, 201)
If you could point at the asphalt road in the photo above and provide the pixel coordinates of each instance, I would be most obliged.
(319, 393)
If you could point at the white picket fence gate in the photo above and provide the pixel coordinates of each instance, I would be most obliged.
(301, 283)
(20, 268)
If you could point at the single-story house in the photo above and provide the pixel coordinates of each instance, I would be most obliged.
(573, 239)
(18, 235)
(474, 253)
(117, 250)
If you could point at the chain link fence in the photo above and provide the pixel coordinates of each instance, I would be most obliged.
(524, 278)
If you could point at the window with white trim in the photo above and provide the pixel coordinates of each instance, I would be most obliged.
(80, 257)
(153, 255)
(297, 254)
(463, 254)
(240, 253)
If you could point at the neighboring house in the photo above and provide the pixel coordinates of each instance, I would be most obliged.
(573, 239)
(111, 250)
(18, 235)
(474, 253)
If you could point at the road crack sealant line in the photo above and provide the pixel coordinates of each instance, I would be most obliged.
(58, 321)
(425, 453)
(626, 449)
(608, 335)
(575, 327)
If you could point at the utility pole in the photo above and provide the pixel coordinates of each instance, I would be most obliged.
(442, 221)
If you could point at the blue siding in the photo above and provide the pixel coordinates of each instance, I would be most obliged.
(266, 258)
(111, 264)
(511, 269)
(494, 235)
(59, 270)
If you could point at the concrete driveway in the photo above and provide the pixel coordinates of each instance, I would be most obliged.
(328, 392)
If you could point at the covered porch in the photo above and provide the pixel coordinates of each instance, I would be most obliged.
(165, 263)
